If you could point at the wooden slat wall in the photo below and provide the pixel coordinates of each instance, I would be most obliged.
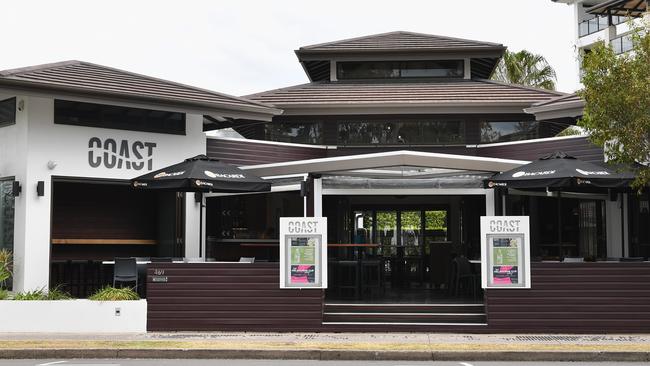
(228, 296)
(251, 153)
(574, 298)
(579, 147)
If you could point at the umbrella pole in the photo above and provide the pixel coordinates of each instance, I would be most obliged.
(201, 227)
(559, 222)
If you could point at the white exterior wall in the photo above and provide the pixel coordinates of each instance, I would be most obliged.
(28, 146)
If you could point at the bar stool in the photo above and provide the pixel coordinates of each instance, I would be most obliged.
(347, 277)
(370, 276)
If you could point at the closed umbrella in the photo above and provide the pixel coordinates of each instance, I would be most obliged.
(202, 174)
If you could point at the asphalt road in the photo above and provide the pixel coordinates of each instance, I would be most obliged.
(291, 363)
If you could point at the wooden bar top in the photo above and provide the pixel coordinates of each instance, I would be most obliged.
(354, 245)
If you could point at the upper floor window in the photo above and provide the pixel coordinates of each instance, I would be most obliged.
(397, 133)
(598, 23)
(118, 118)
(7, 112)
(399, 69)
(622, 44)
(508, 131)
(295, 132)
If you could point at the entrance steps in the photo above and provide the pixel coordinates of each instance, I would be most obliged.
(404, 314)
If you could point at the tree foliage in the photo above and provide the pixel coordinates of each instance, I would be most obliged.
(525, 68)
(617, 95)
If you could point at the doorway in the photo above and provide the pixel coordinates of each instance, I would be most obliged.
(411, 243)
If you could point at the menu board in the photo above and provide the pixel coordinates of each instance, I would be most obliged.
(302, 252)
(505, 252)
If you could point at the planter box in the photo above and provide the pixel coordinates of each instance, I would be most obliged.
(73, 316)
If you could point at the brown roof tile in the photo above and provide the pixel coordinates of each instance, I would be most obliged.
(400, 41)
(408, 93)
(87, 77)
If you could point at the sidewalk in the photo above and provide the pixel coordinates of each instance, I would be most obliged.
(331, 346)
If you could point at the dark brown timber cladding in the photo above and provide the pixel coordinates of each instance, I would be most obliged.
(574, 298)
(228, 296)
(579, 147)
(252, 153)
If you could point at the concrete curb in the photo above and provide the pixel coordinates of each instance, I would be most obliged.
(368, 355)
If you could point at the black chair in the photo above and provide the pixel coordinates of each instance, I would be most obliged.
(347, 277)
(125, 270)
(370, 276)
(463, 277)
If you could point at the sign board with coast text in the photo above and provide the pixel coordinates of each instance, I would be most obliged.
(303, 252)
(505, 251)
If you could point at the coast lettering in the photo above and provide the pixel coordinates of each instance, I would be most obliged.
(123, 154)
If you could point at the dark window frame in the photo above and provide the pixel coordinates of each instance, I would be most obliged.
(402, 66)
(275, 135)
(462, 126)
(11, 121)
(481, 124)
(102, 118)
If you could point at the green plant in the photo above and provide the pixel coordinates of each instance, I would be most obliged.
(58, 294)
(525, 68)
(617, 95)
(40, 294)
(4, 294)
(31, 295)
(6, 266)
(115, 294)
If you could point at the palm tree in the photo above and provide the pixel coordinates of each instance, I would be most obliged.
(525, 68)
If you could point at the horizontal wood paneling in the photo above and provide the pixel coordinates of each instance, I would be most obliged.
(574, 298)
(247, 152)
(228, 296)
(579, 147)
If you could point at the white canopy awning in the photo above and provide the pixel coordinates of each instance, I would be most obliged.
(402, 158)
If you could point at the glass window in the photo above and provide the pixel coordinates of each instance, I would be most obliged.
(509, 131)
(248, 225)
(397, 133)
(6, 218)
(7, 112)
(296, 132)
(118, 118)
(622, 44)
(399, 69)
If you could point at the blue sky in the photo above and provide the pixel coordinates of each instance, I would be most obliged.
(246, 46)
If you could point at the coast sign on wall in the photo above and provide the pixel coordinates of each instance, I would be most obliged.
(505, 252)
(303, 250)
(120, 154)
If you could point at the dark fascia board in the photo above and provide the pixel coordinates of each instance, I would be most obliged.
(616, 7)
(420, 54)
(236, 111)
(402, 108)
(572, 109)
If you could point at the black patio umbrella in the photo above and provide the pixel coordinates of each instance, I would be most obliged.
(559, 170)
(201, 174)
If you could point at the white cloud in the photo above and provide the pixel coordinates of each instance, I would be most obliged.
(246, 46)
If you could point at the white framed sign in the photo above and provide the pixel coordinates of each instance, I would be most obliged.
(303, 252)
(505, 251)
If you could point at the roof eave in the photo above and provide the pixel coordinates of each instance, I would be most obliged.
(473, 52)
(402, 108)
(240, 111)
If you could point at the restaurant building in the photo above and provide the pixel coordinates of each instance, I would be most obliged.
(391, 140)
(394, 135)
(72, 134)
